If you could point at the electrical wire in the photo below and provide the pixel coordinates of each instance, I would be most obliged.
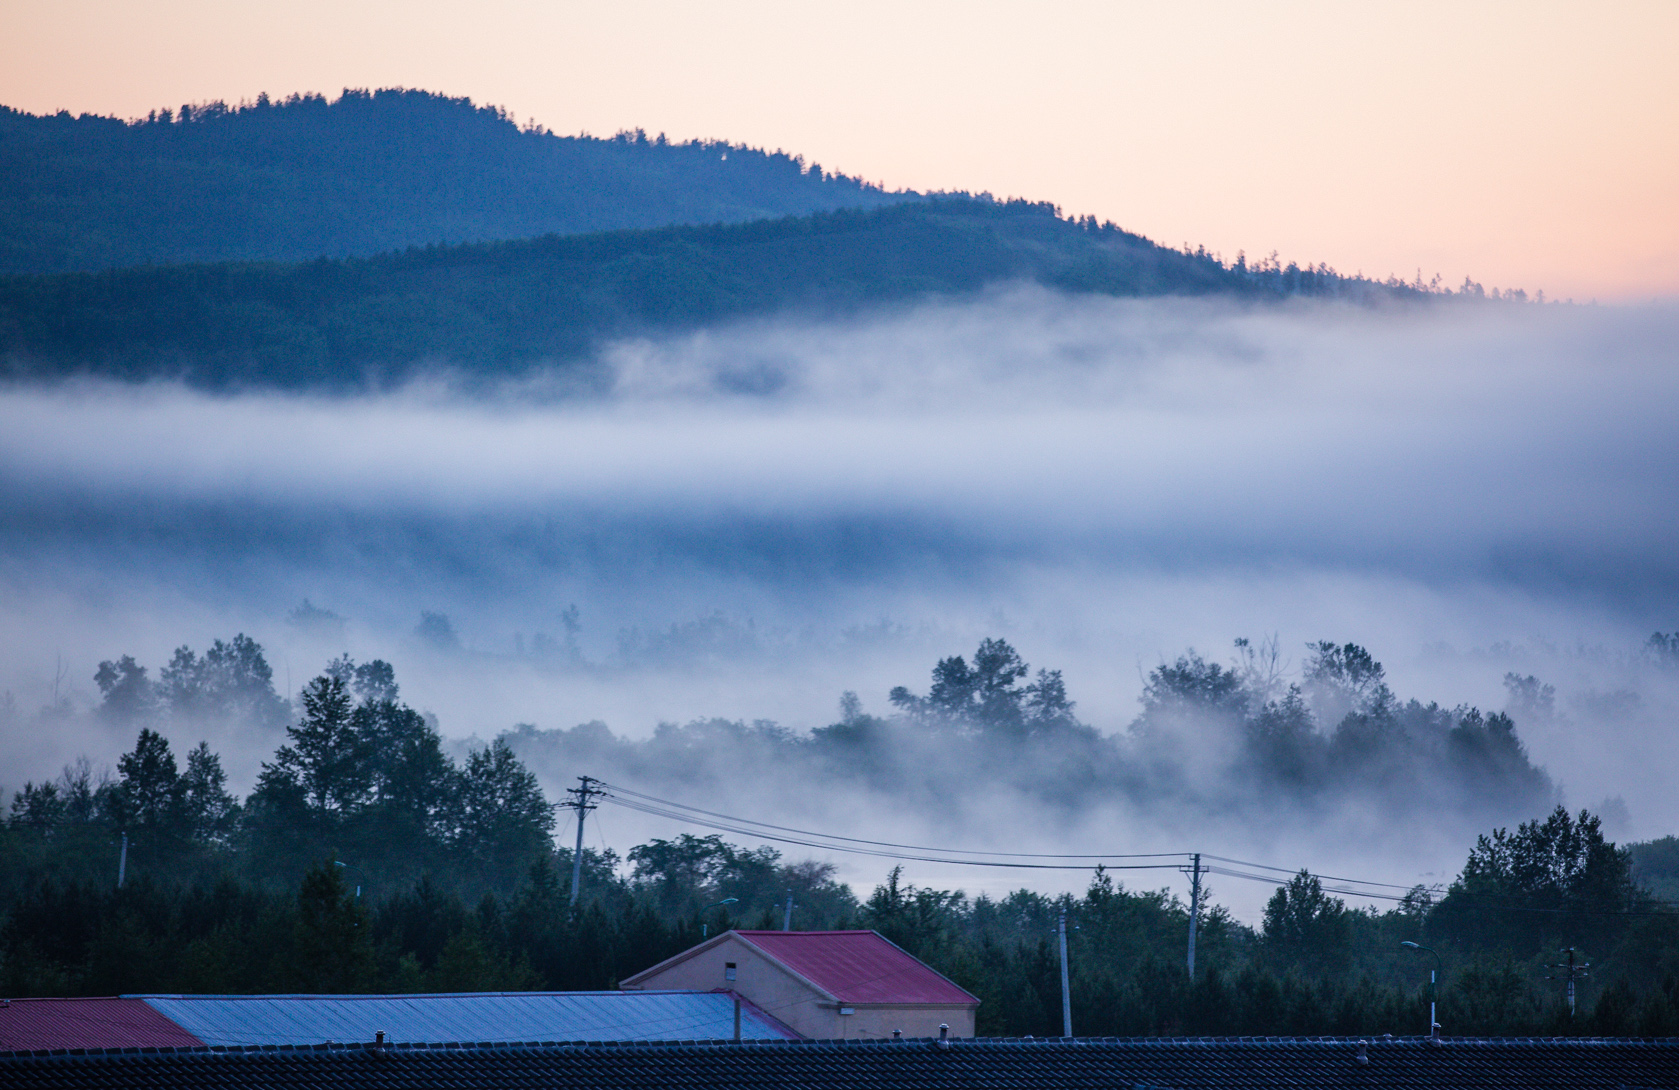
(782, 834)
(1342, 890)
(743, 827)
(651, 804)
(1346, 887)
(655, 801)
(1285, 870)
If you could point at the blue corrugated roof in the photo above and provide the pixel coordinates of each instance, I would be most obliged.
(476, 1016)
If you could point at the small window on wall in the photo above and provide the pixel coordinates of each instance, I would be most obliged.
(729, 970)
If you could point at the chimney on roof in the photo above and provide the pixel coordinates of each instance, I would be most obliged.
(944, 1035)
(897, 1035)
(1364, 1054)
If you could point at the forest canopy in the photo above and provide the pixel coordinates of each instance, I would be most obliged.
(302, 177)
(487, 311)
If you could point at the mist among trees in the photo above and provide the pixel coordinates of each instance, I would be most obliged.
(1209, 738)
(366, 859)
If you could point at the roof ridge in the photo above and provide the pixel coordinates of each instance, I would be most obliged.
(779, 931)
(336, 997)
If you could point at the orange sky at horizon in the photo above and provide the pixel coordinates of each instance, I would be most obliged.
(1531, 145)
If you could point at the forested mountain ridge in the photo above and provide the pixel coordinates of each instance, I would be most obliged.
(362, 174)
(502, 308)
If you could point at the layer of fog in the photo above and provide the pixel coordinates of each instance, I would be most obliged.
(764, 516)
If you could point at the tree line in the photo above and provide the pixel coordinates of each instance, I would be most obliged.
(1246, 737)
(362, 779)
(365, 859)
(360, 765)
(492, 310)
(1313, 965)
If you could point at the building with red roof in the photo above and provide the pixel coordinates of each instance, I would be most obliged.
(28, 1024)
(828, 985)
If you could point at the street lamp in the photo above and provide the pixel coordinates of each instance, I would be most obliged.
(341, 863)
(1433, 986)
(705, 927)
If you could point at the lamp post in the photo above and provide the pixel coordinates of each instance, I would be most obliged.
(346, 866)
(1066, 992)
(1433, 986)
(706, 927)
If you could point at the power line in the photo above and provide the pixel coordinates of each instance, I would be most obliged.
(884, 843)
(1328, 877)
(743, 827)
(782, 834)
(1272, 881)
(1500, 902)
(652, 804)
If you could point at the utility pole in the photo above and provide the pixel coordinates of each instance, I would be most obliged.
(1194, 909)
(122, 862)
(1572, 970)
(1066, 992)
(787, 918)
(579, 801)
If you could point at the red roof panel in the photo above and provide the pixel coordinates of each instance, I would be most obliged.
(28, 1025)
(857, 967)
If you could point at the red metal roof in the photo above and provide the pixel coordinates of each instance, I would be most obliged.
(857, 967)
(34, 1024)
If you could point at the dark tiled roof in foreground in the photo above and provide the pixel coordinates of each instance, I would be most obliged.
(985, 1064)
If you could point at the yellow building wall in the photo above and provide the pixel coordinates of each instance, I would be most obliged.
(871, 1022)
(805, 1011)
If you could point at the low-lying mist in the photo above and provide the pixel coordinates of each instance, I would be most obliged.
(762, 517)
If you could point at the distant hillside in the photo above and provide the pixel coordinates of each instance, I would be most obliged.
(364, 174)
(500, 308)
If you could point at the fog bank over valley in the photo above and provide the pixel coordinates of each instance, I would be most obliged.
(754, 520)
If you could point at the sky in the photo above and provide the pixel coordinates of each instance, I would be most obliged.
(1528, 145)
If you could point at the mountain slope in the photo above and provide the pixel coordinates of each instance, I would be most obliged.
(494, 309)
(364, 174)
